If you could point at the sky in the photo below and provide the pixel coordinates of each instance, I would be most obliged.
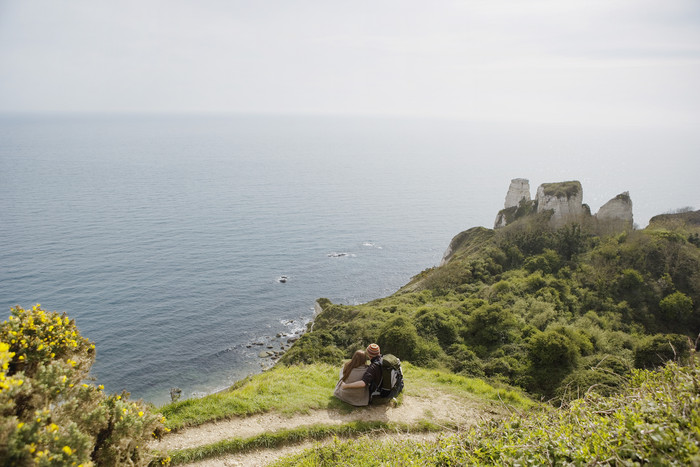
(598, 62)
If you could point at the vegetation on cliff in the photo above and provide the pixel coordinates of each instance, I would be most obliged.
(552, 311)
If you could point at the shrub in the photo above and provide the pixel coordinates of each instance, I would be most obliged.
(49, 415)
(553, 349)
(654, 351)
(552, 356)
(466, 361)
(437, 324)
(491, 325)
(677, 306)
(314, 347)
(548, 262)
(399, 337)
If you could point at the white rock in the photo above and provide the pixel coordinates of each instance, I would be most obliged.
(617, 212)
(567, 207)
(519, 189)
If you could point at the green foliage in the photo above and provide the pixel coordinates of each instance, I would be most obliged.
(654, 351)
(553, 349)
(562, 189)
(465, 361)
(677, 306)
(654, 421)
(603, 375)
(437, 324)
(399, 337)
(548, 262)
(49, 415)
(314, 347)
(490, 325)
(571, 240)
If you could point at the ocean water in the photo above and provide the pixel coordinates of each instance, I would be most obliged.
(165, 237)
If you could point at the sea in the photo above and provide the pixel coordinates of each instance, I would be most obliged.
(166, 237)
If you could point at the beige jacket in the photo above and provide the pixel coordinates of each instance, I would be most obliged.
(357, 396)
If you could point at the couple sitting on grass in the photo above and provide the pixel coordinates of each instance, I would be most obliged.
(360, 383)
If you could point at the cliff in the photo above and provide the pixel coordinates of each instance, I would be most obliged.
(563, 202)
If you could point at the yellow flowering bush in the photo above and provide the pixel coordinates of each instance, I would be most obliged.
(50, 413)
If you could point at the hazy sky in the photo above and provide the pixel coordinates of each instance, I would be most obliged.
(591, 61)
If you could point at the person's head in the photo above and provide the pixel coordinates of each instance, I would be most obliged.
(359, 359)
(373, 351)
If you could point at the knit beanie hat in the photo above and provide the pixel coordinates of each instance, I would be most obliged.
(372, 351)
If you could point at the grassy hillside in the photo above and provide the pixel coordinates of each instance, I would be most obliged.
(653, 421)
(307, 389)
(551, 311)
(302, 388)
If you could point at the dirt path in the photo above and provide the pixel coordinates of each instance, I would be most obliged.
(439, 408)
(267, 456)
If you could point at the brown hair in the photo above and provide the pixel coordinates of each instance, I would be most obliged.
(358, 359)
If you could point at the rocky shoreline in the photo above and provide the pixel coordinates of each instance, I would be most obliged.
(276, 346)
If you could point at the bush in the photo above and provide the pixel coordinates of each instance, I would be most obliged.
(49, 415)
(491, 325)
(677, 306)
(437, 324)
(466, 361)
(553, 349)
(399, 337)
(548, 262)
(314, 347)
(654, 351)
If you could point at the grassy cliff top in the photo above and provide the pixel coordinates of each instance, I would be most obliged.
(562, 189)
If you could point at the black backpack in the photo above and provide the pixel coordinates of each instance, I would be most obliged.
(391, 383)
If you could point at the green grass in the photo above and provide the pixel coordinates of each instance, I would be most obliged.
(654, 422)
(562, 189)
(301, 388)
(425, 380)
(288, 390)
(294, 436)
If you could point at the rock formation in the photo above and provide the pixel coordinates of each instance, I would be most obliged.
(616, 214)
(518, 195)
(519, 189)
(564, 202)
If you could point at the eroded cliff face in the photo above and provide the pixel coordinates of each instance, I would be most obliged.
(616, 214)
(518, 195)
(519, 189)
(564, 200)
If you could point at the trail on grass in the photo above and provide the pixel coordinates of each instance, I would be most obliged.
(439, 408)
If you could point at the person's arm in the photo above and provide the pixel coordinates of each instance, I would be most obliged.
(356, 384)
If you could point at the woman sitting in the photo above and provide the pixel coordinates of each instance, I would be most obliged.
(353, 371)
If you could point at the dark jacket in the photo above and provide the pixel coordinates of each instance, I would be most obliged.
(373, 375)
